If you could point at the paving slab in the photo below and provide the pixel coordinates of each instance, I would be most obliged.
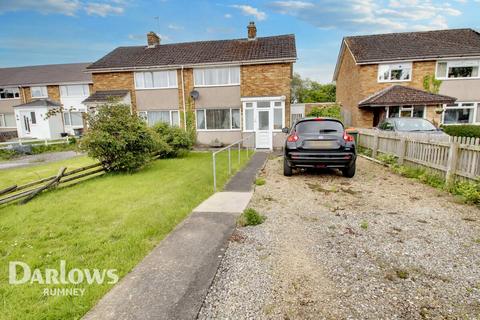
(244, 179)
(232, 202)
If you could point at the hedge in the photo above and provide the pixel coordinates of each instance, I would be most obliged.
(464, 130)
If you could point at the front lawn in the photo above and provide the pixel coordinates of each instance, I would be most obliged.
(108, 222)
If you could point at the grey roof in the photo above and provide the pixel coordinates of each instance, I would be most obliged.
(414, 45)
(40, 103)
(190, 53)
(402, 95)
(45, 74)
(106, 96)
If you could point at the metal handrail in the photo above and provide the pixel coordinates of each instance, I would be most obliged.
(229, 148)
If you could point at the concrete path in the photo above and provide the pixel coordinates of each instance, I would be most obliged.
(36, 159)
(173, 280)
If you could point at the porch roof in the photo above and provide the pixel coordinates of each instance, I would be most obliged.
(106, 96)
(402, 95)
(40, 103)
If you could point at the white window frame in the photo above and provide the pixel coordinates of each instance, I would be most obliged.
(229, 84)
(145, 112)
(43, 90)
(394, 66)
(64, 89)
(69, 112)
(460, 105)
(15, 90)
(213, 130)
(271, 109)
(406, 108)
(455, 63)
(169, 85)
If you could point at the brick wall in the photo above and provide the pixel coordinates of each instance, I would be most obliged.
(355, 83)
(267, 80)
(54, 93)
(188, 87)
(115, 81)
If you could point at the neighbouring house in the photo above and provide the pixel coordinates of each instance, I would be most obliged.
(29, 94)
(232, 87)
(383, 75)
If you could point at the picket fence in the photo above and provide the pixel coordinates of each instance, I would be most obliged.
(452, 157)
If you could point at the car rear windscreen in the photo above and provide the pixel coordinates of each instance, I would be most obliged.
(319, 126)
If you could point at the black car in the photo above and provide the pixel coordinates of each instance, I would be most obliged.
(319, 143)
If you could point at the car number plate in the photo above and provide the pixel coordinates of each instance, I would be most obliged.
(320, 144)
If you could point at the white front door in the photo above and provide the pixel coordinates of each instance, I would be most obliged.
(263, 130)
(26, 122)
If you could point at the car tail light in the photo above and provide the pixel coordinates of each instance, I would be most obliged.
(293, 137)
(347, 137)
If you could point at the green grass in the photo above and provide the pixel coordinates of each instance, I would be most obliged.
(106, 222)
(260, 181)
(250, 217)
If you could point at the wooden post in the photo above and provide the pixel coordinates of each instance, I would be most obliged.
(375, 145)
(452, 163)
(402, 148)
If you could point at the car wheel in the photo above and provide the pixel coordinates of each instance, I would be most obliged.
(287, 170)
(349, 171)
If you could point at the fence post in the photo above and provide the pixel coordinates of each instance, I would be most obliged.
(46, 142)
(402, 148)
(214, 174)
(375, 145)
(452, 163)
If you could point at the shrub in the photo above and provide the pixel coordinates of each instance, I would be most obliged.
(8, 154)
(387, 158)
(464, 130)
(469, 191)
(53, 148)
(260, 181)
(333, 111)
(250, 217)
(120, 140)
(178, 140)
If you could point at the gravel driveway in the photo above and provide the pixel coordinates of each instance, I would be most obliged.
(378, 246)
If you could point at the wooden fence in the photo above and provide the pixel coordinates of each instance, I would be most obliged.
(452, 157)
(28, 191)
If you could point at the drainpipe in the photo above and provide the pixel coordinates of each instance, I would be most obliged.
(184, 104)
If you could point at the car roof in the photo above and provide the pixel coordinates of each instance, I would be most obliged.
(317, 118)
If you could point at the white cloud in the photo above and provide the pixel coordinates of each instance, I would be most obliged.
(102, 9)
(227, 16)
(250, 11)
(371, 15)
(175, 27)
(65, 7)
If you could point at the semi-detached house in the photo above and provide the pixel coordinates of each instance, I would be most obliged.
(27, 94)
(383, 75)
(233, 87)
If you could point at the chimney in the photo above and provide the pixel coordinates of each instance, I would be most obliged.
(252, 31)
(153, 39)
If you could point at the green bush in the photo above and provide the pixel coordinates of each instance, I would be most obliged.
(53, 148)
(8, 154)
(250, 217)
(469, 191)
(464, 130)
(178, 140)
(333, 111)
(120, 140)
(260, 181)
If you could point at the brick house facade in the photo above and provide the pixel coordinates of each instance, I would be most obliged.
(362, 59)
(243, 88)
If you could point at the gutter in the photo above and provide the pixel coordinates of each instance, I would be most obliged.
(167, 67)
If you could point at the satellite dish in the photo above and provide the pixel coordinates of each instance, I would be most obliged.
(194, 94)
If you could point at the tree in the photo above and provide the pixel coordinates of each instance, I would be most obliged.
(306, 90)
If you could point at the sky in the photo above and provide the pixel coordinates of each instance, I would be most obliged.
(59, 31)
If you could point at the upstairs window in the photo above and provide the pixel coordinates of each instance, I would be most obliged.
(394, 72)
(216, 76)
(39, 92)
(79, 90)
(458, 69)
(156, 79)
(9, 93)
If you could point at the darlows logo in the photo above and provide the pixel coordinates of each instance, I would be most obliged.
(20, 273)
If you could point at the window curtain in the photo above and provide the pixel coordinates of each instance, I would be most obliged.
(218, 119)
(158, 116)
